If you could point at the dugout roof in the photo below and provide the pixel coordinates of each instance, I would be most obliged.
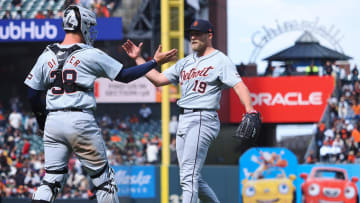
(305, 48)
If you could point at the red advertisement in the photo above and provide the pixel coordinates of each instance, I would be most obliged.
(285, 99)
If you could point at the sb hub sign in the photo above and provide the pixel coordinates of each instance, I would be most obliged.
(51, 30)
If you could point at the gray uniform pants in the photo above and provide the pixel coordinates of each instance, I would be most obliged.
(196, 131)
(67, 132)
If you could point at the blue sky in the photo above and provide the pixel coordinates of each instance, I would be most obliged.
(246, 17)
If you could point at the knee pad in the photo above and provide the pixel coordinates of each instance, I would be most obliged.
(105, 181)
(51, 185)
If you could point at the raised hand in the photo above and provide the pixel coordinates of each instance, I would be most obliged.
(164, 57)
(131, 49)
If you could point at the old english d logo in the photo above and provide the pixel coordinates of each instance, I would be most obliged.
(195, 23)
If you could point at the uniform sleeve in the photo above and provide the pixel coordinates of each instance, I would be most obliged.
(228, 74)
(173, 73)
(108, 67)
(35, 79)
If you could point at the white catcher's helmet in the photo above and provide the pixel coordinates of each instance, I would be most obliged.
(77, 18)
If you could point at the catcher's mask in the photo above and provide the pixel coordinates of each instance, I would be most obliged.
(77, 18)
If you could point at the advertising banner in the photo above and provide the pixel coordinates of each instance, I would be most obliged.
(31, 30)
(329, 183)
(140, 90)
(285, 99)
(274, 175)
(135, 181)
(267, 174)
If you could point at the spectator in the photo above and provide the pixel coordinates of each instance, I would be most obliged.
(26, 148)
(241, 69)
(40, 15)
(356, 90)
(328, 68)
(16, 3)
(112, 4)
(173, 126)
(145, 113)
(312, 70)
(134, 119)
(115, 138)
(130, 143)
(356, 133)
(269, 70)
(50, 14)
(35, 161)
(152, 151)
(102, 10)
(7, 15)
(11, 143)
(18, 15)
(4, 162)
(139, 158)
(351, 157)
(356, 109)
(338, 142)
(30, 124)
(15, 119)
(325, 151)
(123, 126)
(75, 179)
(32, 179)
(342, 108)
(354, 75)
(86, 3)
(330, 133)
(288, 70)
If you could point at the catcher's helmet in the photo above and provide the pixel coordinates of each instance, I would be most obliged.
(77, 18)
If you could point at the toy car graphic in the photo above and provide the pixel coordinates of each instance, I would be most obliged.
(269, 186)
(328, 185)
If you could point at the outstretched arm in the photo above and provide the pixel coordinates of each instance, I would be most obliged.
(157, 78)
(244, 95)
(133, 73)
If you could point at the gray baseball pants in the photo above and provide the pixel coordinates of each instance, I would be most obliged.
(196, 131)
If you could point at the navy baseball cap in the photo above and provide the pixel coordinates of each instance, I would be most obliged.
(201, 26)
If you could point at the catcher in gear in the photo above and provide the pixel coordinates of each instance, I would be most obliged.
(67, 71)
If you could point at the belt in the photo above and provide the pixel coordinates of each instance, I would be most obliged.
(182, 110)
(67, 109)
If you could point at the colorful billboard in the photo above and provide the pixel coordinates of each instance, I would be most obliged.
(267, 175)
(274, 175)
(31, 30)
(285, 99)
(135, 181)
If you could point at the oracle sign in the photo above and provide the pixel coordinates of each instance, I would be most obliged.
(298, 99)
(287, 99)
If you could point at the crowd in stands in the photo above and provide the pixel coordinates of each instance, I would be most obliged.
(18, 8)
(338, 139)
(22, 158)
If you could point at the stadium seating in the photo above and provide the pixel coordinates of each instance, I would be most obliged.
(29, 8)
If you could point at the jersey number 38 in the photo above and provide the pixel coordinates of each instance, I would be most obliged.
(64, 81)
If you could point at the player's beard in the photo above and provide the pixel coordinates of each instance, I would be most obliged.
(198, 45)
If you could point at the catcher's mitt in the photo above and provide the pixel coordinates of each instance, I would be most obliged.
(249, 129)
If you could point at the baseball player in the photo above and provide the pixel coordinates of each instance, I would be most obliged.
(67, 71)
(202, 76)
